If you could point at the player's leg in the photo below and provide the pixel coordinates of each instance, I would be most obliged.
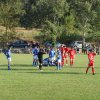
(71, 61)
(52, 60)
(40, 66)
(60, 65)
(88, 67)
(9, 61)
(66, 60)
(93, 71)
(34, 60)
(62, 62)
(57, 65)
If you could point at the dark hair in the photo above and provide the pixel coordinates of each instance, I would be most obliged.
(90, 50)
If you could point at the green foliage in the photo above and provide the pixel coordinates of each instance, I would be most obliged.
(10, 12)
(54, 17)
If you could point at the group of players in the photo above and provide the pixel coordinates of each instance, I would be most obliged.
(60, 56)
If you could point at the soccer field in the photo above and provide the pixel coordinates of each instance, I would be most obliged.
(25, 82)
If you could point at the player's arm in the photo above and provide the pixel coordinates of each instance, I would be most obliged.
(95, 54)
(4, 51)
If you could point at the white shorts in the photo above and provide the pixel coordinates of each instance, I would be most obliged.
(59, 60)
(35, 57)
(9, 59)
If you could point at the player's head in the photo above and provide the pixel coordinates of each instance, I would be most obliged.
(91, 50)
(8, 47)
(72, 47)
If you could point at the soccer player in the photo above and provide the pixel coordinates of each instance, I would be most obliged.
(8, 56)
(66, 55)
(35, 56)
(40, 57)
(59, 59)
(91, 55)
(72, 54)
(52, 55)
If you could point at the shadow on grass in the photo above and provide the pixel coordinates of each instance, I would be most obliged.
(30, 65)
(17, 65)
(39, 72)
(16, 69)
(63, 73)
(82, 67)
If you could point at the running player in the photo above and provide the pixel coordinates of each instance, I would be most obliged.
(91, 55)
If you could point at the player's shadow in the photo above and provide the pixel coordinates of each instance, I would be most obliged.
(83, 67)
(63, 73)
(18, 67)
(41, 72)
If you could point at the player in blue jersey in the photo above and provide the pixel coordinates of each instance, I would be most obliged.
(59, 59)
(8, 56)
(52, 55)
(35, 56)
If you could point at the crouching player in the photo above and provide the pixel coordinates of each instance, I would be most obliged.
(91, 55)
(59, 59)
(72, 54)
(8, 55)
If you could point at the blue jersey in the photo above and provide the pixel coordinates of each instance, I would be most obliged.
(59, 57)
(51, 53)
(35, 51)
(7, 53)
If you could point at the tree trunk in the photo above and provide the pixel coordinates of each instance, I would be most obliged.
(83, 42)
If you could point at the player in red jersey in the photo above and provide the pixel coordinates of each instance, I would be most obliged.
(72, 54)
(91, 55)
(66, 54)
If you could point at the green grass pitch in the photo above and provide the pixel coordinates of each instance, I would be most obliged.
(25, 82)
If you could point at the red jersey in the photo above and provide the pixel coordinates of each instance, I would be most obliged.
(66, 50)
(91, 56)
(62, 49)
(72, 53)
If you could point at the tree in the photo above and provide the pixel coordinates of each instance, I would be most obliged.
(10, 12)
(52, 14)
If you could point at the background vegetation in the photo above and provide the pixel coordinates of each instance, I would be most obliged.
(56, 19)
